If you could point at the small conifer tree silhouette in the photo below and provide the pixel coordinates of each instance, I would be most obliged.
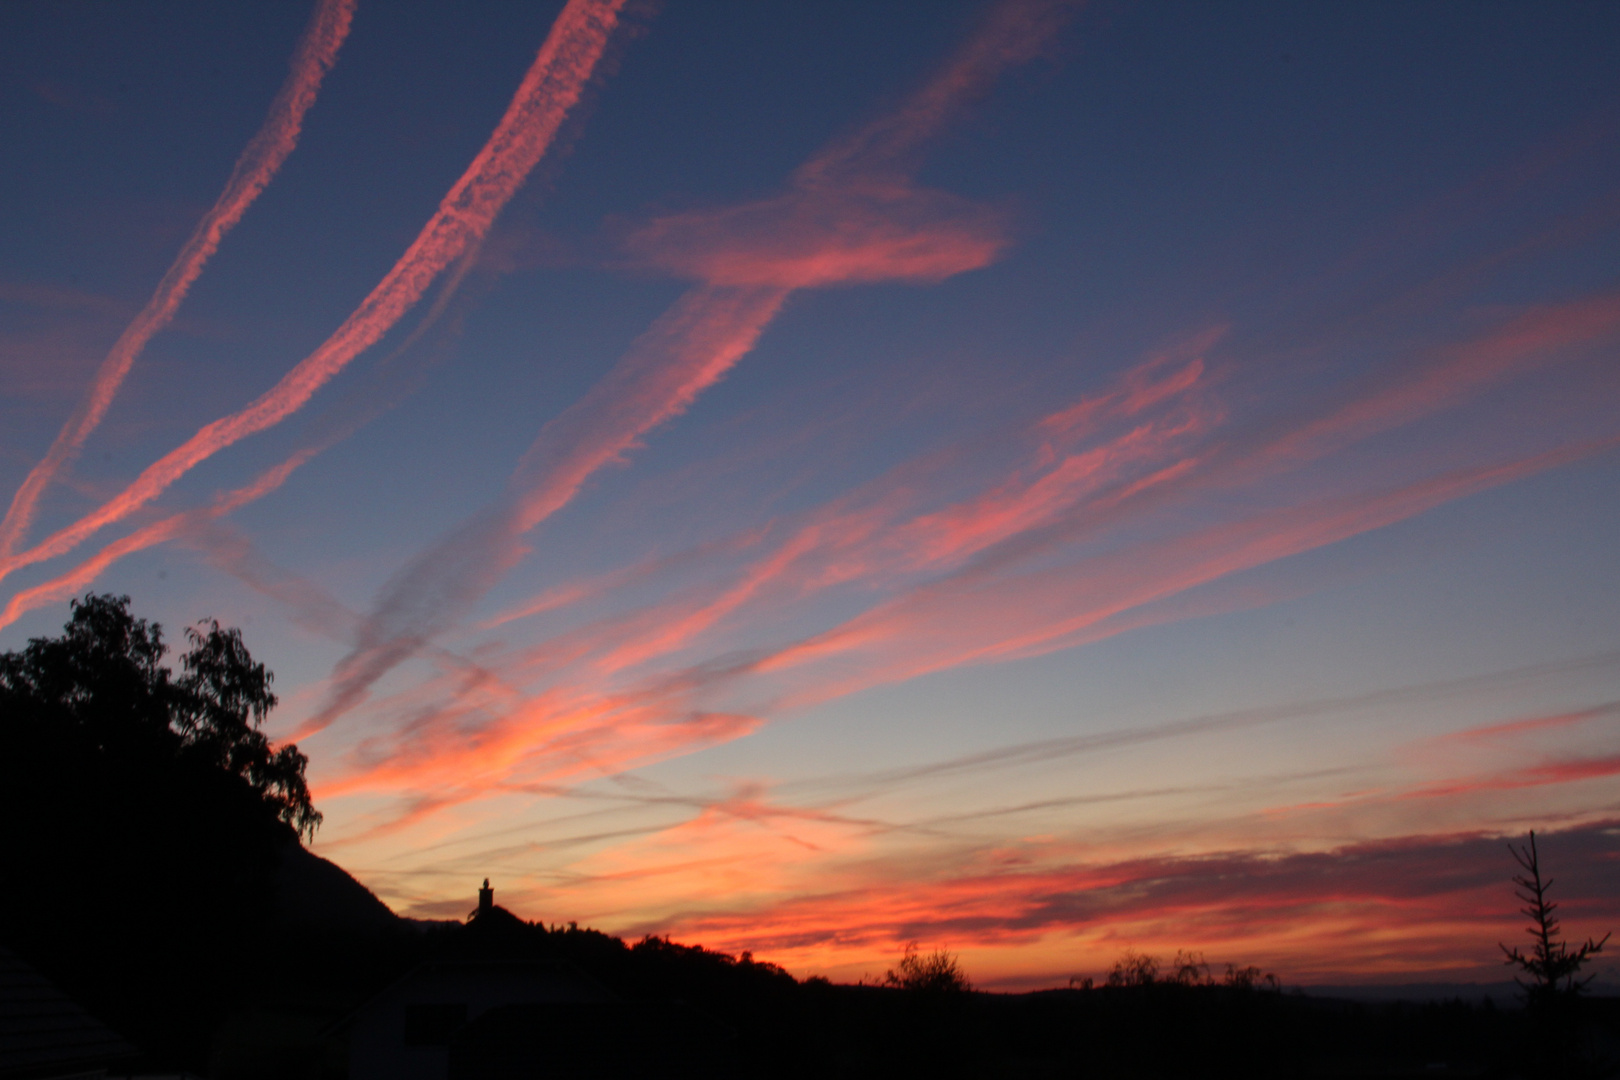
(1551, 967)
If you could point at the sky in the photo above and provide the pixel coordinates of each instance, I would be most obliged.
(1035, 479)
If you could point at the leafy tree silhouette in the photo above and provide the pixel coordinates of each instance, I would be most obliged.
(144, 818)
(1553, 968)
(102, 687)
(222, 702)
(936, 973)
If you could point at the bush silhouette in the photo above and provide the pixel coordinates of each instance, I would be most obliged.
(936, 973)
(1134, 969)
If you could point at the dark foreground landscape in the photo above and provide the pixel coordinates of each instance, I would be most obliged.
(372, 996)
(160, 914)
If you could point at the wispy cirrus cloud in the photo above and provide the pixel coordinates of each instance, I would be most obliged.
(1514, 730)
(275, 140)
(877, 532)
(1409, 903)
(949, 580)
(549, 90)
(851, 215)
(975, 617)
(1073, 485)
(813, 883)
(175, 526)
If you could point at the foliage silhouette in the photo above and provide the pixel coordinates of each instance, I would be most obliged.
(1553, 968)
(102, 687)
(144, 820)
(1134, 969)
(223, 701)
(1250, 978)
(936, 973)
(1190, 969)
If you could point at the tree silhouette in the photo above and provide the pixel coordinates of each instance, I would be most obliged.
(101, 690)
(223, 701)
(144, 822)
(1552, 967)
(936, 973)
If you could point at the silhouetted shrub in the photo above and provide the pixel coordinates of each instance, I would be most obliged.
(1134, 969)
(1250, 978)
(936, 973)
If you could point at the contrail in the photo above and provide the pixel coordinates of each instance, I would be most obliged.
(747, 261)
(553, 84)
(685, 351)
(169, 528)
(316, 53)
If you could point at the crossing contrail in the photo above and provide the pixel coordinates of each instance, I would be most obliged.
(552, 86)
(317, 51)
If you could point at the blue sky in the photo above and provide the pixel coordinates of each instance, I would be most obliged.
(853, 470)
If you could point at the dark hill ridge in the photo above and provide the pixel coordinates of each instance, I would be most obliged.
(333, 946)
(316, 893)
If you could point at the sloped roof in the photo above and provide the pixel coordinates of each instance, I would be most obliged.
(43, 1033)
(554, 980)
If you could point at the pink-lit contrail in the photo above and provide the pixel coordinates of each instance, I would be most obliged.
(852, 215)
(549, 90)
(966, 617)
(317, 51)
(159, 532)
(688, 349)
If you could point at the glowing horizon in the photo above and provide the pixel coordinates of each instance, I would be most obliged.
(1051, 481)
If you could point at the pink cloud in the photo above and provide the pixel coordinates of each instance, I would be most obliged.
(1095, 455)
(548, 92)
(828, 229)
(276, 139)
(974, 618)
(819, 238)
(852, 213)
(1511, 729)
(880, 534)
(685, 351)
(1398, 906)
(177, 525)
(1537, 338)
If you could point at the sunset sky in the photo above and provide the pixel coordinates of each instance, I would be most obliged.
(1031, 478)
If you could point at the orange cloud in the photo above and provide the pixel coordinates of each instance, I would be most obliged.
(971, 615)
(1095, 455)
(1394, 907)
